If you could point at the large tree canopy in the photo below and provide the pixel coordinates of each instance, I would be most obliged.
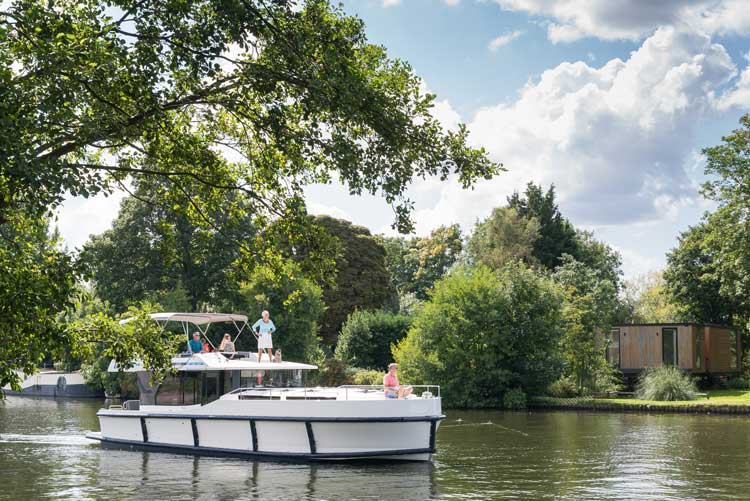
(92, 90)
(556, 235)
(152, 251)
(257, 96)
(708, 273)
(360, 279)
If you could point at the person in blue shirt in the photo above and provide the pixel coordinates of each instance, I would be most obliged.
(195, 344)
(264, 328)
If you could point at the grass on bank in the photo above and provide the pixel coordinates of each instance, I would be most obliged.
(716, 398)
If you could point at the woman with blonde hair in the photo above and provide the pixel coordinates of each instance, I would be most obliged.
(226, 344)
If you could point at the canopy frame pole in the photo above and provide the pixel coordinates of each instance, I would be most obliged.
(239, 330)
(204, 331)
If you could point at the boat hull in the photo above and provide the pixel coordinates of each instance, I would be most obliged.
(301, 437)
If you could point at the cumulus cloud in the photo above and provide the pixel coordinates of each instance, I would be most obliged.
(739, 96)
(78, 217)
(616, 140)
(633, 19)
(503, 40)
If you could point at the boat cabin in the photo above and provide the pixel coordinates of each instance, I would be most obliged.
(698, 348)
(204, 377)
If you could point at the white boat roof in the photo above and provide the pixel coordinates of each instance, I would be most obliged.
(194, 318)
(218, 362)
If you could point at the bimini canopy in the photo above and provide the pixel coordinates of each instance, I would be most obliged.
(195, 318)
(201, 320)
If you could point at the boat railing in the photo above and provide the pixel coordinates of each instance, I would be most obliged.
(423, 390)
(320, 393)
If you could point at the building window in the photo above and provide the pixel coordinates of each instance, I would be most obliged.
(732, 350)
(613, 347)
(669, 345)
(700, 333)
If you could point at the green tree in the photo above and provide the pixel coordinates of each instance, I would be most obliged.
(415, 264)
(401, 261)
(727, 239)
(296, 307)
(600, 257)
(360, 279)
(589, 307)
(93, 92)
(692, 279)
(36, 283)
(650, 302)
(436, 253)
(155, 252)
(502, 238)
(556, 235)
(366, 338)
(483, 334)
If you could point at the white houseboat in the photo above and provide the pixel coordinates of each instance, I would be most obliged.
(231, 404)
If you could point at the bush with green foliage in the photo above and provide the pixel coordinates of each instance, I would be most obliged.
(483, 333)
(665, 383)
(366, 338)
(514, 399)
(367, 377)
(295, 304)
(565, 387)
(331, 372)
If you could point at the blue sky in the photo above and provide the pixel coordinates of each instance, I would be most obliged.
(609, 100)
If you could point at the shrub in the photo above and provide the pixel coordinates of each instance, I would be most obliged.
(296, 306)
(665, 384)
(565, 387)
(483, 333)
(514, 399)
(366, 338)
(367, 376)
(330, 373)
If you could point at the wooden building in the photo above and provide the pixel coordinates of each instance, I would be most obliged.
(699, 348)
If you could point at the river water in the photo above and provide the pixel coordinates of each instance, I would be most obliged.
(481, 455)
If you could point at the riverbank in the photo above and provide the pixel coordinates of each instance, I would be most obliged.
(718, 402)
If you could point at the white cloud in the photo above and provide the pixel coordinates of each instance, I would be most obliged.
(78, 218)
(390, 3)
(739, 95)
(503, 40)
(616, 140)
(634, 19)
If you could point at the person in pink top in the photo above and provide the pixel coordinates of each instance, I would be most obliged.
(390, 383)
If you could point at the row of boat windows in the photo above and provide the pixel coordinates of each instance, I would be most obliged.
(188, 388)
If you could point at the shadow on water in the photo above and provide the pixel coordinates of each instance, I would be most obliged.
(481, 455)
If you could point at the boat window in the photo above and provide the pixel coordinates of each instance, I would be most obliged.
(669, 345)
(271, 379)
(213, 384)
(180, 389)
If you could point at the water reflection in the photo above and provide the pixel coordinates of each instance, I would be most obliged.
(481, 455)
(213, 478)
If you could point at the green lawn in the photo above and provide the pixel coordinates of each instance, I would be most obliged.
(716, 398)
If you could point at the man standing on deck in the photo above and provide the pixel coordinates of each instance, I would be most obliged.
(264, 328)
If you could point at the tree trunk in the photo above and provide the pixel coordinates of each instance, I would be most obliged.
(147, 392)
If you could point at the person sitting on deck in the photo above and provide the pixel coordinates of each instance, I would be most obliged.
(226, 344)
(391, 385)
(195, 344)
